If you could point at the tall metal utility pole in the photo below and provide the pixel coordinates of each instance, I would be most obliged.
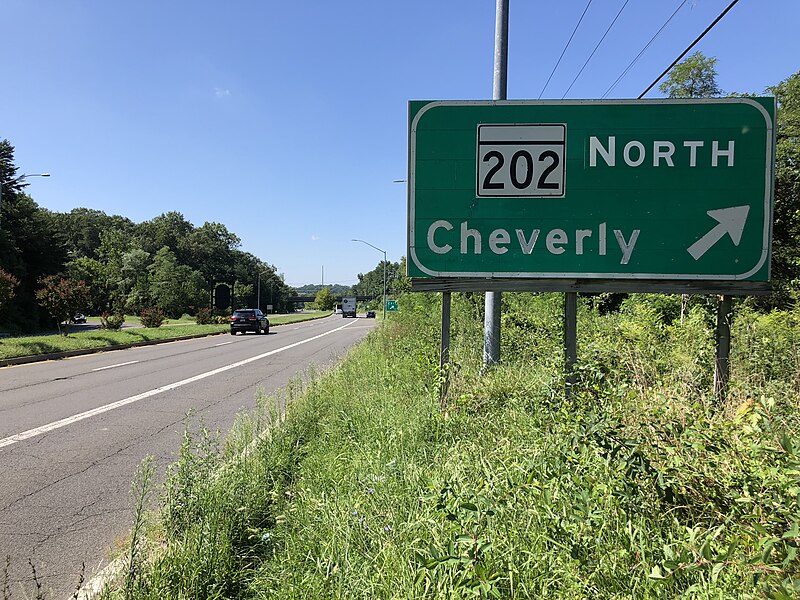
(258, 294)
(491, 320)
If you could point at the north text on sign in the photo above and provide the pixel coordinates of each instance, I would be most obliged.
(662, 152)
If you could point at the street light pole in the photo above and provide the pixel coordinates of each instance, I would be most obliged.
(384, 272)
(258, 294)
(19, 179)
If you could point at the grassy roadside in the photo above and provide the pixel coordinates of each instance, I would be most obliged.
(48, 344)
(641, 487)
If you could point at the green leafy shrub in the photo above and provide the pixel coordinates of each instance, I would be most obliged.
(7, 285)
(152, 317)
(112, 321)
(766, 347)
(203, 316)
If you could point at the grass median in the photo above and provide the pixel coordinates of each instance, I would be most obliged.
(18, 347)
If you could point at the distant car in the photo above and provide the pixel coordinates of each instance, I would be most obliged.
(249, 319)
(79, 318)
(370, 314)
(338, 311)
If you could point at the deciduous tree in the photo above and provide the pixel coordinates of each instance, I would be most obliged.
(324, 299)
(371, 283)
(174, 287)
(135, 282)
(786, 224)
(29, 246)
(695, 77)
(96, 275)
(82, 230)
(62, 298)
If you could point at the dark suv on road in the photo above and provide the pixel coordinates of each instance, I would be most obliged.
(249, 319)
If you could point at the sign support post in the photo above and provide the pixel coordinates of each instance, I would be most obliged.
(444, 353)
(570, 341)
(722, 362)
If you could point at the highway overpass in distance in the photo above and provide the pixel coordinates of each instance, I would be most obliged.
(338, 298)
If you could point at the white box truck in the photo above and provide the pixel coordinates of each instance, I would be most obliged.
(349, 307)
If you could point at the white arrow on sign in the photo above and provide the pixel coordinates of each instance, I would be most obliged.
(729, 220)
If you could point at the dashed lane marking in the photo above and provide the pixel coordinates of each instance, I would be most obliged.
(130, 362)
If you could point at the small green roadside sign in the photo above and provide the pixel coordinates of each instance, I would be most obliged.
(391, 306)
(665, 190)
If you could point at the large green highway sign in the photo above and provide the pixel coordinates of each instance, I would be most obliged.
(654, 190)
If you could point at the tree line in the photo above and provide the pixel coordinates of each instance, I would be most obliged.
(110, 264)
(371, 283)
(696, 77)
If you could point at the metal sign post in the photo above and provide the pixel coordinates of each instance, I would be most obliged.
(722, 362)
(444, 353)
(570, 341)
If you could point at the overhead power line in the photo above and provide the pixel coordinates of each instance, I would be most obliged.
(642, 51)
(692, 45)
(595, 49)
(569, 41)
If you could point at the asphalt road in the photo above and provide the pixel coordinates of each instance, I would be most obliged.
(73, 431)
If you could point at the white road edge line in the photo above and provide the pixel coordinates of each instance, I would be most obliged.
(19, 437)
(130, 362)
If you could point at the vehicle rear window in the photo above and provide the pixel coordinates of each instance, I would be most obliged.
(244, 313)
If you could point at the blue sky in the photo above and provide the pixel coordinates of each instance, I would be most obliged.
(287, 121)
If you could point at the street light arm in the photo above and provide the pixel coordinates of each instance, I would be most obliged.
(24, 176)
(371, 246)
(19, 180)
